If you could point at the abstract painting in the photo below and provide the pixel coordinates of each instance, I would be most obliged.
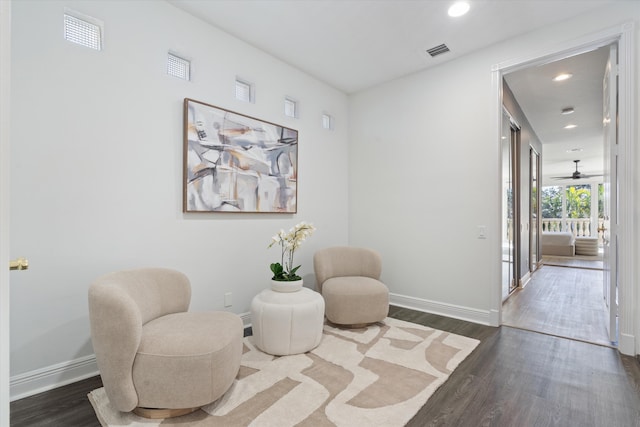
(237, 163)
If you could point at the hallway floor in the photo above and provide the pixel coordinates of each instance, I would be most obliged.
(561, 301)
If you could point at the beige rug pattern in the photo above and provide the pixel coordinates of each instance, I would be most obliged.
(376, 376)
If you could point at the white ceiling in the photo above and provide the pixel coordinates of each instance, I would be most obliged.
(356, 44)
(542, 101)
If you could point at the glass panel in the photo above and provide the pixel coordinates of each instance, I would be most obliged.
(514, 215)
(533, 238)
(578, 208)
(507, 210)
(600, 228)
(551, 207)
(578, 201)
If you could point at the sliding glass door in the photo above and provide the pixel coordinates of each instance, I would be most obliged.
(510, 218)
(534, 246)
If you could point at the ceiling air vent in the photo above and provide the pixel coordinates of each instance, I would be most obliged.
(438, 50)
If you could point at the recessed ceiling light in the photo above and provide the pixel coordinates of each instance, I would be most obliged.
(561, 77)
(567, 110)
(458, 9)
(574, 150)
(570, 126)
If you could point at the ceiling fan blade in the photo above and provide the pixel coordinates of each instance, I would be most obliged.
(576, 175)
(581, 176)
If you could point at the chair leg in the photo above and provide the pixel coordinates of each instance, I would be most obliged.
(358, 325)
(351, 326)
(155, 413)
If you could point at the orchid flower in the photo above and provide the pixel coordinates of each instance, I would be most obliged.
(289, 242)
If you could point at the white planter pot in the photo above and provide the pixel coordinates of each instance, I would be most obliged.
(279, 286)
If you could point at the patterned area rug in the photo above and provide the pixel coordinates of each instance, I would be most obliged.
(376, 376)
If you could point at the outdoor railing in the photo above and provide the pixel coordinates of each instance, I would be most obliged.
(579, 227)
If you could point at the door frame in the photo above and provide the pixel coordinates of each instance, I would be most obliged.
(610, 192)
(623, 35)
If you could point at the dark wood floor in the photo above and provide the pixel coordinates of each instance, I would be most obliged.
(522, 378)
(513, 378)
(67, 406)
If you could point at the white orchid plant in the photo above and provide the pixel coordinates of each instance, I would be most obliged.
(284, 271)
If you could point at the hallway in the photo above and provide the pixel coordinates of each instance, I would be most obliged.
(561, 301)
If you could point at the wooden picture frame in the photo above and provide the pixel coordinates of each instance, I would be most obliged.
(237, 163)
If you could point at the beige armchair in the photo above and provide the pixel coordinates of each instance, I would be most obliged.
(154, 357)
(349, 280)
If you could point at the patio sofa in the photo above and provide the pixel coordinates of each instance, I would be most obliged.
(558, 243)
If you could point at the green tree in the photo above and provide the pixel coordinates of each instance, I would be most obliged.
(551, 202)
(578, 201)
(600, 200)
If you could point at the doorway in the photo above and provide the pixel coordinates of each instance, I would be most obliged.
(561, 304)
(621, 37)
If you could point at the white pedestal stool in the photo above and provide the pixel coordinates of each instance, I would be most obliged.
(287, 322)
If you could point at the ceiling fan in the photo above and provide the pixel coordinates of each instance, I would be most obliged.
(577, 174)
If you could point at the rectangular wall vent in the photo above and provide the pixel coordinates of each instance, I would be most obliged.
(245, 91)
(83, 31)
(327, 121)
(178, 67)
(290, 107)
(438, 50)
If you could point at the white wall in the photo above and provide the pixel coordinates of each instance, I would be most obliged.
(96, 164)
(424, 157)
(417, 160)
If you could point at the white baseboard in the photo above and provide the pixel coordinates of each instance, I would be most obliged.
(494, 318)
(54, 376)
(524, 281)
(627, 344)
(483, 317)
(246, 319)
